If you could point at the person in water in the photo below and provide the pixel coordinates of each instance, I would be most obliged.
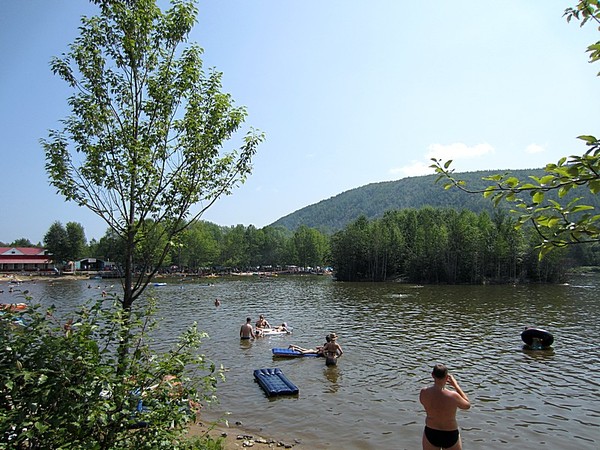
(282, 327)
(332, 350)
(246, 331)
(309, 351)
(440, 403)
(262, 322)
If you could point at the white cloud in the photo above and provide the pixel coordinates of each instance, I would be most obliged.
(415, 169)
(534, 148)
(442, 152)
(458, 150)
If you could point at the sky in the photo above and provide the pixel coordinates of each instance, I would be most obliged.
(347, 92)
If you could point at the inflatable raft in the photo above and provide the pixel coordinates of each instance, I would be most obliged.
(274, 382)
(289, 353)
(537, 338)
(274, 331)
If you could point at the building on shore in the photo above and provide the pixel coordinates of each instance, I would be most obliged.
(25, 259)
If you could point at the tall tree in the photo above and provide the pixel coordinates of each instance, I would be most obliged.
(76, 240)
(199, 246)
(56, 243)
(310, 246)
(110, 247)
(234, 250)
(144, 141)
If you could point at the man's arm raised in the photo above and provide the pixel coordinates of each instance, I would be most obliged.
(462, 399)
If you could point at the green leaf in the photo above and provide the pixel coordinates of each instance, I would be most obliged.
(587, 138)
(538, 197)
(529, 186)
(544, 250)
(564, 190)
(580, 208)
(546, 180)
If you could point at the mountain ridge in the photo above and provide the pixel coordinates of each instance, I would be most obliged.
(374, 199)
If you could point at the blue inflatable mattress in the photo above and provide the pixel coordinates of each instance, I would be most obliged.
(274, 382)
(289, 353)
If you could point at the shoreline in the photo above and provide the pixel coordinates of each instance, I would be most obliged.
(24, 278)
(236, 436)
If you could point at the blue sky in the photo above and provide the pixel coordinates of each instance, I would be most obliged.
(347, 92)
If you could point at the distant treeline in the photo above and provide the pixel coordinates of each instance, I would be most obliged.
(447, 246)
(427, 245)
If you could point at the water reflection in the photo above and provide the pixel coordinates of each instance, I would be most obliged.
(332, 375)
(392, 334)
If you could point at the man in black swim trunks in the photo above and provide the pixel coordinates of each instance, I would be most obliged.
(441, 428)
(246, 331)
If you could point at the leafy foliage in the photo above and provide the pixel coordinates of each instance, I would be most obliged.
(145, 138)
(59, 387)
(65, 244)
(432, 245)
(143, 144)
(559, 222)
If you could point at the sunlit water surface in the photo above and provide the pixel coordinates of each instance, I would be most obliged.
(392, 334)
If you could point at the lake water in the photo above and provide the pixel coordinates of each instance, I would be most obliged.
(392, 334)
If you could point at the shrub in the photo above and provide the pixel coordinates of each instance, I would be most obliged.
(61, 385)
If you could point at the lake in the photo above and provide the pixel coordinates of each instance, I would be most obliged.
(392, 334)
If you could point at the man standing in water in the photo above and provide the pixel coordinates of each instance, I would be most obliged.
(441, 428)
(246, 331)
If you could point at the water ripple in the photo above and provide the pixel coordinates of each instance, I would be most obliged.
(392, 334)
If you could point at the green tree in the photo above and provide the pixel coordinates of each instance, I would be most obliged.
(273, 248)
(349, 249)
(76, 241)
(234, 251)
(148, 126)
(56, 243)
(310, 246)
(110, 247)
(199, 246)
(22, 242)
(145, 140)
(558, 223)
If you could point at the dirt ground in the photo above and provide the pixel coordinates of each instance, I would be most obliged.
(236, 437)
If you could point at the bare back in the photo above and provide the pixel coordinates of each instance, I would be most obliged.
(246, 331)
(440, 406)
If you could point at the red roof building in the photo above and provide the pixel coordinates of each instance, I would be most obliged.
(17, 259)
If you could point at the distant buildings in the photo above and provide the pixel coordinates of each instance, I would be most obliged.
(37, 259)
(24, 259)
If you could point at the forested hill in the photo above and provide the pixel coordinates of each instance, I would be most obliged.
(372, 200)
